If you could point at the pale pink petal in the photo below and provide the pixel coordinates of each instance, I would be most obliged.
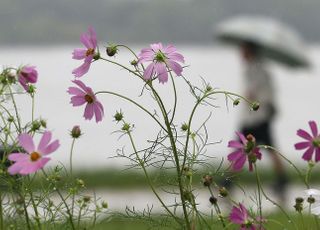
(50, 148)
(148, 71)
(175, 67)
(302, 145)
(308, 154)
(93, 37)
(78, 100)
(79, 54)
(44, 141)
(16, 167)
(26, 142)
(243, 211)
(156, 47)
(81, 85)
(81, 70)
(176, 57)
(32, 167)
(314, 128)
(76, 91)
(98, 113)
(170, 49)
(18, 156)
(88, 112)
(162, 72)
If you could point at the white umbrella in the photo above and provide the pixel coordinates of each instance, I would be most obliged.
(276, 40)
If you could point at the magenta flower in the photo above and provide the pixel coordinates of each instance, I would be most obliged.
(239, 215)
(89, 40)
(27, 75)
(161, 58)
(245, 149)
(83, 94)
(311, 143)
(36, 158)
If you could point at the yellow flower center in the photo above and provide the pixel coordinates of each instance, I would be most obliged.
(90, 51)
(34, 156)
(88, 98)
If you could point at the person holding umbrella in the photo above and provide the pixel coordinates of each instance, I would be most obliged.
(260, 38)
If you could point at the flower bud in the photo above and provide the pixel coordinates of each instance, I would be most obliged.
(134, 62)
(76, 132)
(35, 125)
(236, 102)
(104, 204)
(207, 180)
(80, 183)
(43, 123)
(255, 106)
(184, 127)
(299, 200)
(208, 88)
(223, 192)
(86, 199)
(118, 116)
(298, 207)
(10, 119)
(126, 127)
(213, 200)
(311, 200)
(96, 56)
(111, 50)
(31, 89)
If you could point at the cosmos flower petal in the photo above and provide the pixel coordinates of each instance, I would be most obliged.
(18, 156)
(149, 71)
(302, 133)
(308, 154)
(78, 100)
(235, 144)
(51, 147)
(238, 164)
(162, 72)
(25, 140)
(16, 167)
(175, 67)
(235, 155)
(44, 141)
(302, 145)
(82, 69)
(89, 112)
(79, 53)
(314, 128)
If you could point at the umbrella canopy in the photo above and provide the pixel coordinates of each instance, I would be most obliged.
(276, 40)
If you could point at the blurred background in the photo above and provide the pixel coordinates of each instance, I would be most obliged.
(44, 33)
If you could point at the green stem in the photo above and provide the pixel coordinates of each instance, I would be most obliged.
(71, 152)
(290, 163)
(68, 210)
(135, 103)
(175, 97)
(217, 209)
(273, 202)
(148, 178)
(259, 195)
(16, 110)
(1, 211)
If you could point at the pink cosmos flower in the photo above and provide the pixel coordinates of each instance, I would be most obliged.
(311, 143)
(239, 215)
(161, 58)
(26, 75)
(36, 158)
(245, 148)
(83, 94)
(89, 40)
